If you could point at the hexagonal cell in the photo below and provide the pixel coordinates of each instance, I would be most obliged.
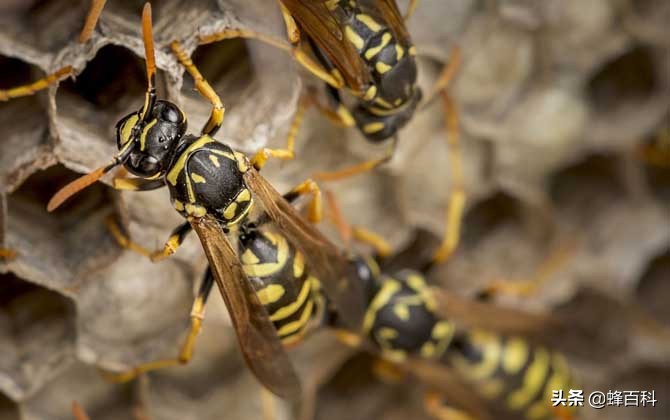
(149, 301)
(629, 94)
(37, 336)
(112, 85)
(489, 214)
(257, 102)
(42, 27)
(589, 186)
(83, 384)
(24, 121)
(653, 287)
(55, 248)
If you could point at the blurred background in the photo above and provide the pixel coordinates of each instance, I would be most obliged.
(565, 141)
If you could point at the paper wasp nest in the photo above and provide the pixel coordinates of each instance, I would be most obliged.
(555, 99)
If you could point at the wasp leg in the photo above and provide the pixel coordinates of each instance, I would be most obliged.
(268, 406)
(32, 88)
(204, 88)
(388, 372)
(456, 205)
(187, 347)
(78, 412)
(315, 206)
(8, 254)
(171, 245)
(411, 7)
(437, 408)
(296, 51)
(445, 78)
(91, 20)
(527, 287)
(359, 168)
(658, 152)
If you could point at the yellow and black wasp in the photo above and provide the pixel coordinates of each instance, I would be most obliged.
(214, 187)
(467, 350)
(363, 48)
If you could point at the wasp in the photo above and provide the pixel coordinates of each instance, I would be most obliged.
(215, 188)
(359, 47)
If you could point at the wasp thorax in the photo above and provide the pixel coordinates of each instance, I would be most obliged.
(153, 139)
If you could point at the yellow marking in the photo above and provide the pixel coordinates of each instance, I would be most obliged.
(489, 345)
(514, 355)
(373, 266)
(382, 67)
(179, 165)
(198, 179)
(215, 160)
(332, 4)
(412, 50)
(373, 127)
(491, 389)
(532, 381)
(382, 297)
(394, 355)
(127, 128)
(387, 333)
(337, 75)
(428, 350)
(296, 325)
(354, 38)
(248, 257)
(371, 52)
(178, 205)
(270, 294)
(172, 243)
(195, 210)
(401, 311)
(399, 52)
(369, 22)
(397, 102)
(269, 268)
(298, 264)
(293, 307)
(143, 136)
(345, 116)
(370, 93)
(443, 332)
(230, 211)
(242, 161)
(383, 103)
(416, 282)
(227, 155)
(560, 379)
(243, 196)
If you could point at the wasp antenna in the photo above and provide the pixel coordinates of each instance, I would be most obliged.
(149, 54)
(91, 20)
(74, 187)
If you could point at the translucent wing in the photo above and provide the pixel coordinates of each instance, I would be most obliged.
(325, 260)
(317, 21)
(393, 18)
(256, 334)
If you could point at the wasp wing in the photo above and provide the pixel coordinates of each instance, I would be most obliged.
(325, 260)
(256, 334)
(317, 21)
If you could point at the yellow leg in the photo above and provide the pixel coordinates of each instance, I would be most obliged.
(187, 348)
(436, 407)
(8, 254)
(454, 216)
(91, 20)
(315, 206)
(388, 372)
(78, 412)
(357, 169)
(411, 8)
(380, 245)
(268, 404)
(446, 76)
(171, 245)
(333, 79)
(43, 83)
(204, 88)
(657, 153)
(527, 287)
